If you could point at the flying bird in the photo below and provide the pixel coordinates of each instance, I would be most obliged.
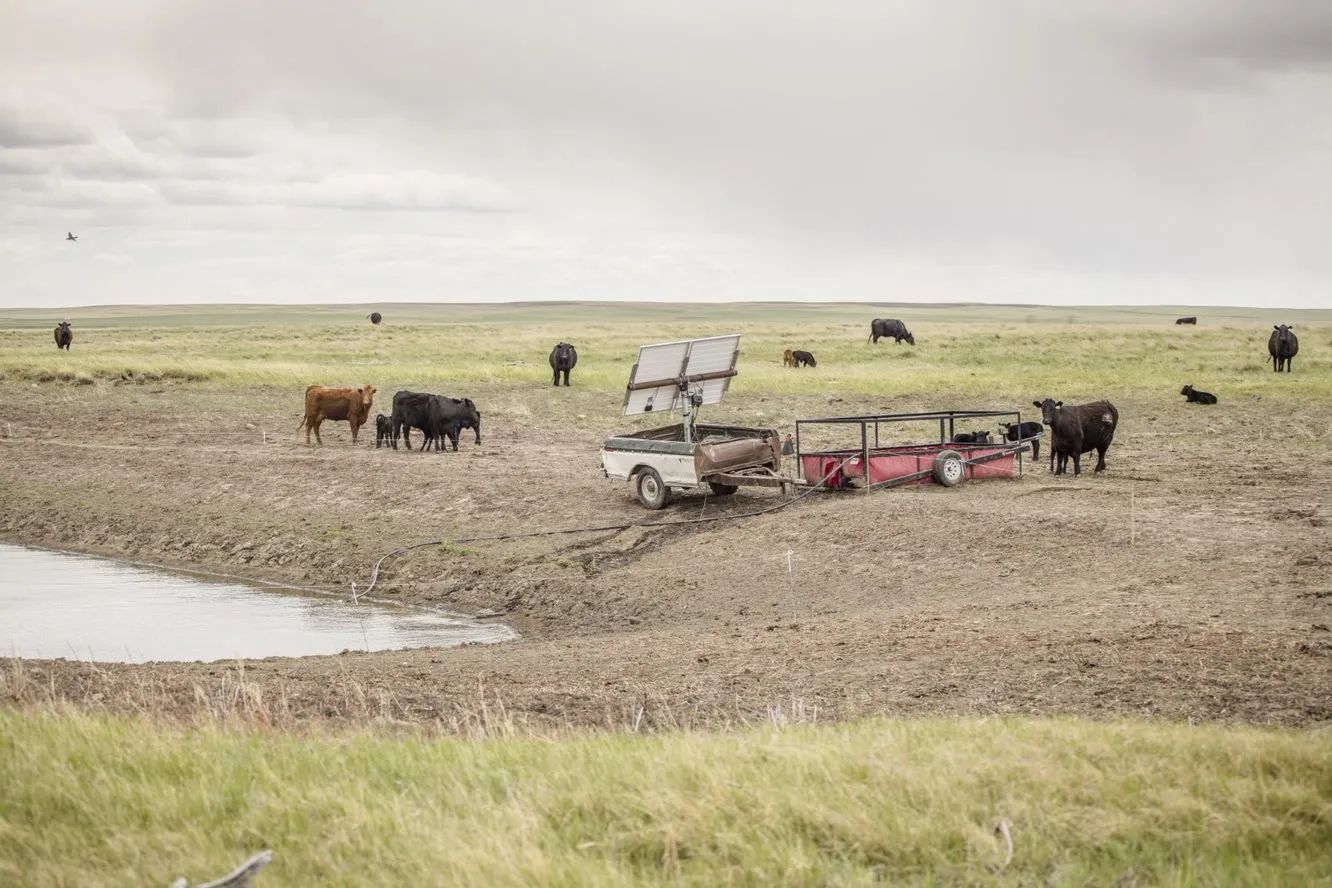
(70, 236)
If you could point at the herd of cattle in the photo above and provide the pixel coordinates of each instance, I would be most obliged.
(1074, 429)
(436, 417)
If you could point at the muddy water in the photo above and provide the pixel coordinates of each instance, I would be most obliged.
(54, 604)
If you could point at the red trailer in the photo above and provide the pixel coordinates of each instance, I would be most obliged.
(866, 461)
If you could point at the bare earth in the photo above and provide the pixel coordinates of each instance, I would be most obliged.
(1025, 596)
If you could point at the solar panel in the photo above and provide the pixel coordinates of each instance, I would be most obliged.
(664, 372)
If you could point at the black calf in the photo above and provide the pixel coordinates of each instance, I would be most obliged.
(1196, 397)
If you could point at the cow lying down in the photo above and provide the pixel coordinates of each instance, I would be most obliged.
(1196, 397)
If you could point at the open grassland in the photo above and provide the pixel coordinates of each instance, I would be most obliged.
(1190, 582)
(96, 800)
(981, 352)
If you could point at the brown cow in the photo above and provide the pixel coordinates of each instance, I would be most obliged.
(788, 358)
(325, 402)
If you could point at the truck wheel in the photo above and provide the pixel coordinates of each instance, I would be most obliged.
(719, 489)
(652, 492)
(949, 469)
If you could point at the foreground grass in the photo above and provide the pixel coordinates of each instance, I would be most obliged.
(91, 800)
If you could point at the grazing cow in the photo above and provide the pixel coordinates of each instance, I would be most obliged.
(1078, 430)
(881, 327)
(1196, 397)
(383, 430)
(64, 336)
(1021, 431)
(803, 359)
(375, 317)
(447, 417)
(971, 438)
(563, 358)
(1179, 321)
(788, 358)
(324, 402)
(1282, 345)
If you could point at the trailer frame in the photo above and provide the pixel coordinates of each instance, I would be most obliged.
(947, 419)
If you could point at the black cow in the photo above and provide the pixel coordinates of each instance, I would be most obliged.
(881, 327)
(1282, 345)
(448, 416)
(1179, 321)
(64, 336)
(1196, 397)
(375, 317)
(383, 430)
(1021, 431)
(803, 359)
(411, 410)
(1075, 430)
(563, 358)
(971, 438)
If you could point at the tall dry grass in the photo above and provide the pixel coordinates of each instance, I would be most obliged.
(99, 800)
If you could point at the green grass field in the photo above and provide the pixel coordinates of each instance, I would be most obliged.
(93, 800)
(968, 351)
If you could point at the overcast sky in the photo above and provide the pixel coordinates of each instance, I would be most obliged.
(1065, 152)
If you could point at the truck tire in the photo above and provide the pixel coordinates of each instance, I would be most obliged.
(949, 469)
(651, 491)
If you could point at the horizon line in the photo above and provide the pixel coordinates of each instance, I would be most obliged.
(655, 303)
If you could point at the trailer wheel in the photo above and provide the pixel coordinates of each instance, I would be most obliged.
(719, 489)
(652, 492)
(949, 469)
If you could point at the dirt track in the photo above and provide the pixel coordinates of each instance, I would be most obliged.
(994, 597)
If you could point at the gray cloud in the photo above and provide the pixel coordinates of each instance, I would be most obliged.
(1042, 151)
(23, 127)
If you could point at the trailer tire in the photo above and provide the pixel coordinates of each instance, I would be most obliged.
(651, 491)
(949, 468)
(719, 489)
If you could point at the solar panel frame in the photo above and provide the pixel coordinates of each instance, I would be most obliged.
(706, 365)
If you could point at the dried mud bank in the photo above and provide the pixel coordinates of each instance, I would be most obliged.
(1192, 580)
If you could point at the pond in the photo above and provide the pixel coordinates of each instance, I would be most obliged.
(56, 604)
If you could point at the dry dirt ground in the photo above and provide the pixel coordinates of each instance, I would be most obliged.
(1192, 580)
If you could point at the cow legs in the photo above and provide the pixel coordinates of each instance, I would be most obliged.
(555, 376)
(1077, 463)
(1036, 449)
(318, 440)
(566, 377)
(1100, 458)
